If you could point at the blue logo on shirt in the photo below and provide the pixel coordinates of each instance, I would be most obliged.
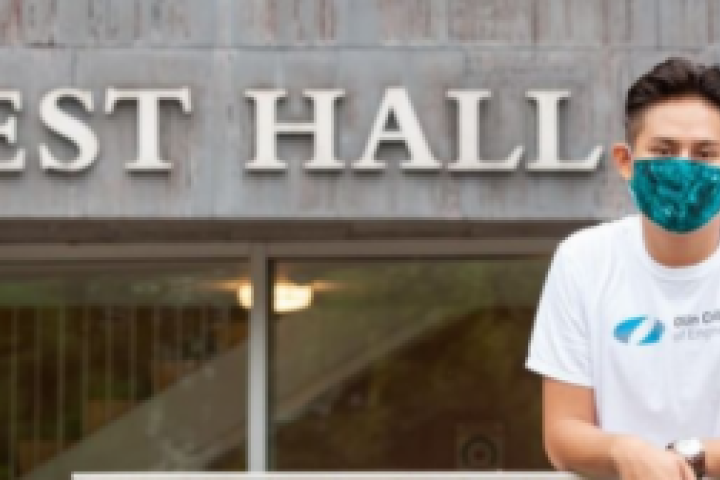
(627, 327)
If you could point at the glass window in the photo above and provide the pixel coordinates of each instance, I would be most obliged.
(123, 366)
(406, 365)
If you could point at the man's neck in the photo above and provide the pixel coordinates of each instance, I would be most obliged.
(673, 250)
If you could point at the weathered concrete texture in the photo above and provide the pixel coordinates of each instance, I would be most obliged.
(209, 149)
(240, 23)
(219, 48)
(692, 23)
(495, 22)
(633, 22)
(111, 23)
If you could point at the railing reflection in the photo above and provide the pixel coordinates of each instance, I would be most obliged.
(70, 371)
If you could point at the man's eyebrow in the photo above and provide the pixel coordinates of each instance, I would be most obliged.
(708, 143)
(664, 140)
(703, 142)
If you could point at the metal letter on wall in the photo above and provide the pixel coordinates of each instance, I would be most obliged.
(396, 102)
(469, 160)
(548, 102)
(8, 131)
(267, 130)
(69, 127)
(148, 104)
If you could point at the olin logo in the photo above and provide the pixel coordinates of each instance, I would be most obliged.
(642, 330)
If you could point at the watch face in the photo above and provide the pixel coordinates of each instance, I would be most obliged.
(689, 447)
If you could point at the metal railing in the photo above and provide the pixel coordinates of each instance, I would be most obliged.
(333, 476)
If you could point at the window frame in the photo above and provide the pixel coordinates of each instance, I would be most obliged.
(261, 257)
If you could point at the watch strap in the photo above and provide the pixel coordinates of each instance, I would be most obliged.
(696, 462)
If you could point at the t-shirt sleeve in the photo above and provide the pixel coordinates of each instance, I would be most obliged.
(559, 344)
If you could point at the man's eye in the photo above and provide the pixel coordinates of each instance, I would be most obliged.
(708, 154)
(661, 151)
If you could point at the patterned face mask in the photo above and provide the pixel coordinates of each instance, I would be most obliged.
(678, 194)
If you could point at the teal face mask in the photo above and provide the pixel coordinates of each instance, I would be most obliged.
(678, 194)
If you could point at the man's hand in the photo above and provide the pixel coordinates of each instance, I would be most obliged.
(575, 443)
(635, 459)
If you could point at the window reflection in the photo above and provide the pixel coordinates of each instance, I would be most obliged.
(408, 365)
(129, 367)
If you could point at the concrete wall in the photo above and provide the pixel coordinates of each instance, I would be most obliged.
(221, 47)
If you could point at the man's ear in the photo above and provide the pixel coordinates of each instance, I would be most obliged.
(622, 157)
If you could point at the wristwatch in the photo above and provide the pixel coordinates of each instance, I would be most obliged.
(692, 450)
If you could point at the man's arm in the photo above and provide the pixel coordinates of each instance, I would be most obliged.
(575, 443)
(572, 441)
(712, 457)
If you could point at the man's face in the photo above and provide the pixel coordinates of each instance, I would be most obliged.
(679, 127)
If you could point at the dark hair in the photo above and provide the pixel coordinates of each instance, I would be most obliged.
(675, 77)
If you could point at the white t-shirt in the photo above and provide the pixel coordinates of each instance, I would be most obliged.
(645, 337)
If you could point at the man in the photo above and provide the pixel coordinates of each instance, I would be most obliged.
(627, 333)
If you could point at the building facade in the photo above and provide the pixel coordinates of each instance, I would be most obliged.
(299, 235)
